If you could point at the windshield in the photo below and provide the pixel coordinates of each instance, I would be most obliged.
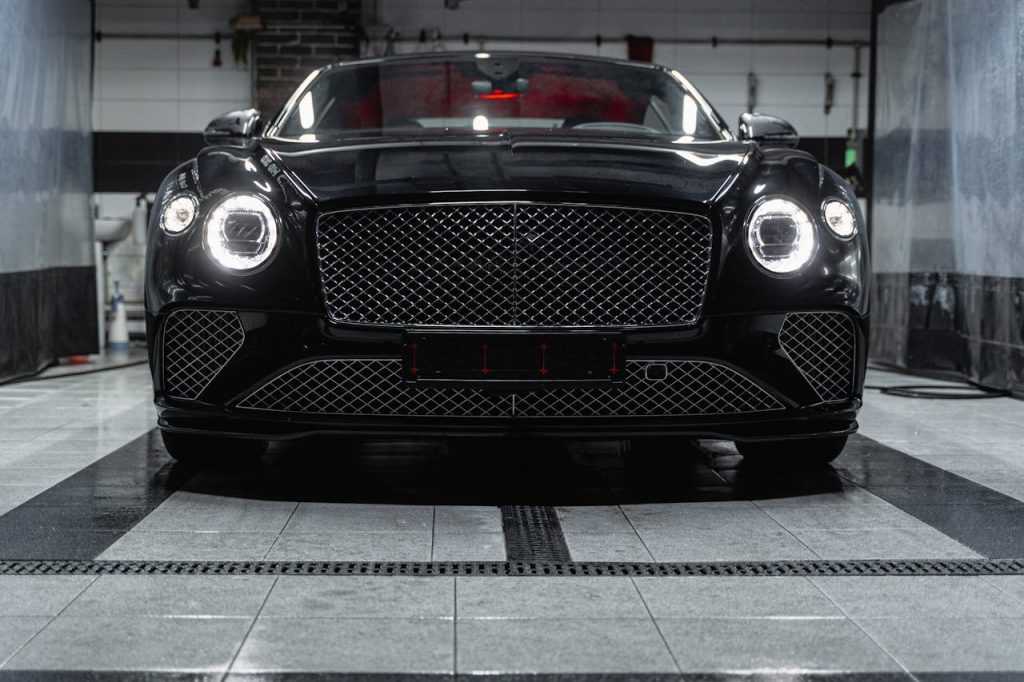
(484, 93)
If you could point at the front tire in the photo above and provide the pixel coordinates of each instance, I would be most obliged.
(806, 452)
(201, 450)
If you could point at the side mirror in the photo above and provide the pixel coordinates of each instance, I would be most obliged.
(767, 131)
(233, 128)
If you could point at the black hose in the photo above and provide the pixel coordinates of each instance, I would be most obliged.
(964, 390)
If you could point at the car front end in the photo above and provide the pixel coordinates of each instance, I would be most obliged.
(600, 283)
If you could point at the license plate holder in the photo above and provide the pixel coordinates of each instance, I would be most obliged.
(514, 358)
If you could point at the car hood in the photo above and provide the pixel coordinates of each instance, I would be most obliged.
(637, 167)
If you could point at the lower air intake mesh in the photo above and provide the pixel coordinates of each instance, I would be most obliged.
(197, 346)
(374, 387)
(823, 347)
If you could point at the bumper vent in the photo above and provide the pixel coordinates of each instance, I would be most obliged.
(375, 388)
(514, 265)
(823, 347)
(197, 344)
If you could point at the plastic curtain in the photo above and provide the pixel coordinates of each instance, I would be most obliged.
(948, 243)
(47, 284)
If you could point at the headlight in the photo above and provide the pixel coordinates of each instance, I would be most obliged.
(839, 218)
(780, 236)
(179, 213)
(241, 232)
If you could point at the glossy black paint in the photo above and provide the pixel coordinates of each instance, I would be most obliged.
(284, 313)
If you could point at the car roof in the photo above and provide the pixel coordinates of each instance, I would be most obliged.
(465, 55)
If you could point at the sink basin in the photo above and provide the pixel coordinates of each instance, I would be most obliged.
(112, 229)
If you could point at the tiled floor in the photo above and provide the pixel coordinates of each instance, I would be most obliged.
(423, 502)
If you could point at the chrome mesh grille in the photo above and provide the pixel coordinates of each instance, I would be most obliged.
(822, 346)
(368, 387)
(691, 387)
(374, 387)
(197, 344)
(514, 264)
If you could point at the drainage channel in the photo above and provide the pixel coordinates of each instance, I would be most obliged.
(955, 567)
(533, 534)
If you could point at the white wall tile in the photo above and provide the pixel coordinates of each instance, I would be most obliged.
(137, 18)
(138, 84)
(193, 117)
(139, 115)
(166, 84)
(566, 23)
(119, 53)
(621, 22)
(213, 84)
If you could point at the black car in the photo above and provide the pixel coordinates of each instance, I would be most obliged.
(451, 244)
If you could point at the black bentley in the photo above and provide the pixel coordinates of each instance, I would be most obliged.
(464, 243)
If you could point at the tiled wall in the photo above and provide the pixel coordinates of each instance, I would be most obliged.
(166, 85)
(791, 78)
(158, 86)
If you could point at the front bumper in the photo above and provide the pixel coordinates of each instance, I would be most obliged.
(281, 375)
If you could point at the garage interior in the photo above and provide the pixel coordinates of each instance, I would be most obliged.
(515, 557)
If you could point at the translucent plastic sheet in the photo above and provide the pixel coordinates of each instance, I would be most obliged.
(45, 156)
(948, 244)
(45, 181)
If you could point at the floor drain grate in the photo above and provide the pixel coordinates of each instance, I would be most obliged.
(965, 567)
(533, 534)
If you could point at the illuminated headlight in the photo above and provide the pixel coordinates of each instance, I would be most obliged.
(780, 236)
(839, 218)
(241, 232)
(179, 213)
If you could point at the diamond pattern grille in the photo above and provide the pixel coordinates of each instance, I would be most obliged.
(197, 346)
(692, 387)
(822, 346)
(374, 387)
(514, 264)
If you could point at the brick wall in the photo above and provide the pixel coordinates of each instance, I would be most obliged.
(299, 36)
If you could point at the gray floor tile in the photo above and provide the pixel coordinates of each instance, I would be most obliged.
(187, 511)
(597, 519)
(737, 544)
(15, 631)
(469, 546)
(561, 646)
(549, 597)
(739, 597)
(924, 644)
(1010, 584)
(767, 645)
(186, 546)
(894, 543)
(931, 597)
(173, 595)
(39, 595)
(348, 645)
(459, 520)
(721, 516)
(361, 597)
(34, 476)
(848, 495)
(15, 496)
(352, 546)
(607, 547)
(320, 517)
(844, 517)
(119, 643)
